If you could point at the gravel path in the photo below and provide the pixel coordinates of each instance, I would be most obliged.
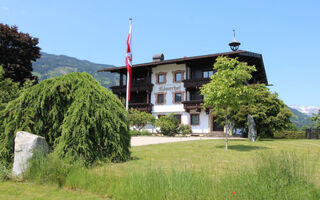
(146, 140)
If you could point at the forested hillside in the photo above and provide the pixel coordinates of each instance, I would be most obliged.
(300, 119)
(49, 66)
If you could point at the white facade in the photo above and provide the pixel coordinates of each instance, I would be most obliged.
(169, 88)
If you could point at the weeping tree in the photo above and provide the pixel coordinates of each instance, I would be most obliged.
(78, 117)
(9, 90)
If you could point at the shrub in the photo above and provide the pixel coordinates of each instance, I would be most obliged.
(185, 129)
(79, 118)
(4, 172)
(139, 119)
(136, 133)
(169, 125)
(290, 135)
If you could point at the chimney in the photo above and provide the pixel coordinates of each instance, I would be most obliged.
(158, 57)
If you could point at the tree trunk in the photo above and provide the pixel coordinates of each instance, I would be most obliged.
(226, 129)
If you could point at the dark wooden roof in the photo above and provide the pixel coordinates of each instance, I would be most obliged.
(239, 53)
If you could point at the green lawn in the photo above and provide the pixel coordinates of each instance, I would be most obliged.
(187, 170)
(30, 191)
(211, 155)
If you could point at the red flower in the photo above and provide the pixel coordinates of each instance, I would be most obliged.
(233, 192)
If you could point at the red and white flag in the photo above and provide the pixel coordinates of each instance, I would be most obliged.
(129, 63)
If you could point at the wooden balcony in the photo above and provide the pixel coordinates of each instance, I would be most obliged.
(146, 107)
(136, 87)
(195, 105)
(195, 83)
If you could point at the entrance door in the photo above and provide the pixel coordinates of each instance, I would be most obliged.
(216, 126)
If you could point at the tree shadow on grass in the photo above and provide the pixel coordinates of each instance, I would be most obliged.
(134, 158)
(267, 140)
(240, 147)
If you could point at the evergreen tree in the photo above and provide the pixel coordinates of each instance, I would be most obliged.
(9, 90)
(79, 118)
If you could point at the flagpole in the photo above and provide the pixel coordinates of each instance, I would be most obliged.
(127, 93)
(128, 76)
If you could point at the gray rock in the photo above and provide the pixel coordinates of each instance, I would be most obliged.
(252, 130)
(26, 144)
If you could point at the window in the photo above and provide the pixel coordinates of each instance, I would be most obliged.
(195, 95)
(178, 77)
(207, 74)
(195, 120)
(161, 78)
(177, 97)
(160, 98)
(178, 117)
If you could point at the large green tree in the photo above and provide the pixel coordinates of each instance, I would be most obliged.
(78, 117)
(227, 90)
(268, 110)
(17, 51)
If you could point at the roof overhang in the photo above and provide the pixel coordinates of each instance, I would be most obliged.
(239, 53)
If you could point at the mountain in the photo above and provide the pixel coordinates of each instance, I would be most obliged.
(301, 119)
(308, 110)
(49, 66)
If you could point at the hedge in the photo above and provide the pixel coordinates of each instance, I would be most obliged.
(290, 135)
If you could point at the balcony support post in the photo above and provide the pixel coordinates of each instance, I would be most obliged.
(148, 97)
(121, 79)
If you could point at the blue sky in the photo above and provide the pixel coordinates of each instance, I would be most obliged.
(286, 33)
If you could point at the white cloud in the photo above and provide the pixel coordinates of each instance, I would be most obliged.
(308, 110)
(4, 8)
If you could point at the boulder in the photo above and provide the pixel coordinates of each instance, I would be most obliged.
(252, 130)
(26, 145)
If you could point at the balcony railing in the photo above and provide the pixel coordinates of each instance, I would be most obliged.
(195, 83)
(192, 104)
(195, 105)
(134, 88)
(147, 107)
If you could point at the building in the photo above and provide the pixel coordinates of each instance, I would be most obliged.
(172, 86)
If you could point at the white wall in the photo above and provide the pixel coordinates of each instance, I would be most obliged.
(205, 124)
(169, 106)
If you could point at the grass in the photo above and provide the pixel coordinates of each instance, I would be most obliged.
(272, 169)
(31, 191)
(211, 155)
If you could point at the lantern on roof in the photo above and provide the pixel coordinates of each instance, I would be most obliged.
(234, 45)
